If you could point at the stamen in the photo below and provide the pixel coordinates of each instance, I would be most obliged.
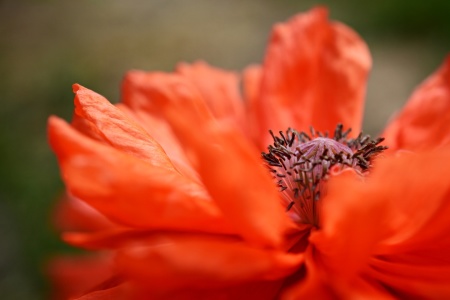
(301, 164)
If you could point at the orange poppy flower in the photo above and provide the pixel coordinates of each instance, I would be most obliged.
(169, 186)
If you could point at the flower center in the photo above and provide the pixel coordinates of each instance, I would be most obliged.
(302, 163)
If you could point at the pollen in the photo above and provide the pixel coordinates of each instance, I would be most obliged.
(302, 163)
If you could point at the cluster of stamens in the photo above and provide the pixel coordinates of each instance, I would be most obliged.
(301, 164)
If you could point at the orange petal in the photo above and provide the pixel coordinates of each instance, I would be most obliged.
(168, 262)
(319, 283)
(161, 131)
(129, 190)
(86, 271)
(117, 129)
(415, 260)
(261, 290)
(350, 225)
(104, 239)
(74, 214)
(314, 73)
(398, 200)
(229, 166)
(117, 292)
(219, 89)
(416, 188)
(399, 213)
(238, 183)
(143, 91)
(413, 280)
(424, 122)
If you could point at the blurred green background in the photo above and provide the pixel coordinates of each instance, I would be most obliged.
(45, 46)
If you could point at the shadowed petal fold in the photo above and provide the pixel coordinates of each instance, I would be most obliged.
(314, 73)
(128, 190)
(169, 262)
(73, 214)
(65, 271)
(351, 226)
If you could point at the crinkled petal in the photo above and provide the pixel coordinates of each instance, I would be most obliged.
(170, 262)
(161, 131)
(229, 166)
(424, 122)
(128, 190)
(116, 129)
(314, 73)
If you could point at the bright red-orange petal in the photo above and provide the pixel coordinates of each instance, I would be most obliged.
(219, 89)
(129, 190)
(170, 262)
(234, 176)
(416, 188)
(229, 166)
(424, 122)
(116, 129)
(350, 226)
(314, 73)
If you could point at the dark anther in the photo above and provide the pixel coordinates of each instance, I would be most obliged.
(288, 208)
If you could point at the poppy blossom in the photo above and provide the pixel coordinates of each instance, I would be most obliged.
(170, 189)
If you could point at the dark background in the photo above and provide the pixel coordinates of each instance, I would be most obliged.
(45, 46)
